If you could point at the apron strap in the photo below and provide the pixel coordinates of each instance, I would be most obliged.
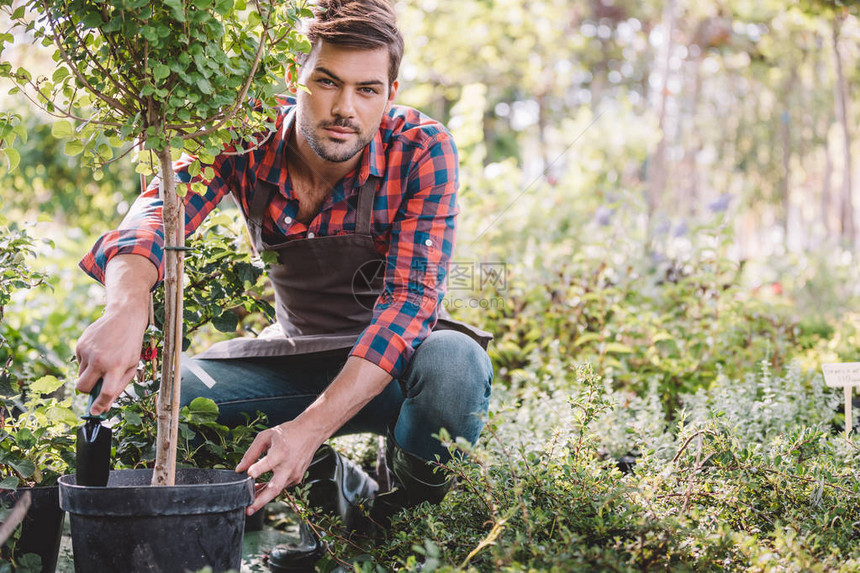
(364, 212)
(263, 193)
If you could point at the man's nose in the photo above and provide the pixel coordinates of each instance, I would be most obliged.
(344, 104)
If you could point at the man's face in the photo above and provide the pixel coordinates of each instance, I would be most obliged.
(349, 95)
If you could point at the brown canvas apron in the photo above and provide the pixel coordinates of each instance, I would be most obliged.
(325, 288)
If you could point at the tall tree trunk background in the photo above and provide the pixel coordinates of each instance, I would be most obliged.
(848, 234)
(657, 164)
(785, 138)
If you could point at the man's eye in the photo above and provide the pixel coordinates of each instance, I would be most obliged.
(325, 82)
(369, 91)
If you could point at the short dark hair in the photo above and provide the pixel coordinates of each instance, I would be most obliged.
(362, 24)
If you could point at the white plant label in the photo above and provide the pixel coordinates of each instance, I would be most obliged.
(840, 375)
(846, 376)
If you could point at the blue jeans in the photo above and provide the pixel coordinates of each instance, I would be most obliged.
(446, 385)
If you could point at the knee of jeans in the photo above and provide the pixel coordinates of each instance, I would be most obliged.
(453, 367)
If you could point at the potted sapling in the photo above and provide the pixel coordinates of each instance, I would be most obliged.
(161, 77)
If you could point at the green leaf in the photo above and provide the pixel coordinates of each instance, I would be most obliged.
(25, 439)
(223, 7)
(131, 417)
(177, 8)
(194, 168)
(202, 410)
(61, 73)
(105, 152)
(24, 467)
(618, 348)
(13, 156)
(46, 385)
(204, 86)
(62, 415)
(160, 71)
(73, 148)
(10, 482)
(585, 338)
(226, 322)
(62, 129)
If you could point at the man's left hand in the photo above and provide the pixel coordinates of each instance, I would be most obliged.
(288, 450)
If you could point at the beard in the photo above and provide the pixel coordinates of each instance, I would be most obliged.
(335, 151)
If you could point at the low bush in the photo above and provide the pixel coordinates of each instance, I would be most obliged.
(731, 485)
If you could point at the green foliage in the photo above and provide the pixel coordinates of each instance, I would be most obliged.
(11, 128)
(36, 437)
(181, 74)
(681, 314)
(48, 183)
(203, 442)
(225, 292)
(226, 289)
(715, 498)
(17, 247)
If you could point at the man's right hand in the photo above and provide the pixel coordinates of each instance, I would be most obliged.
(110, 347)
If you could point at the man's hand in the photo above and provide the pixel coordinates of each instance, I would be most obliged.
(110, 347)
(290, 447)
(288, 450)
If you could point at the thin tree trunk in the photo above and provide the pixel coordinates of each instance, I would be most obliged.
(847, 199)
(688, 192)
(826, 190)
(168, 395)
(657, 165)
(542, 139)
(785, 131)
(822, 126)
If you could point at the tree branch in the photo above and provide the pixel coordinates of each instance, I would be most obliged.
(63, 114)
(241, 96)
(95, 60)
(114, 103)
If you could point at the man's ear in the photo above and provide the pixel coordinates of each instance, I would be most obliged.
(392, 92)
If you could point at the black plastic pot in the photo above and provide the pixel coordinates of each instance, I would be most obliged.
(131, 526)
(42, 528)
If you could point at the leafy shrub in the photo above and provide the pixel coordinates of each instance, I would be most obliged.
(16, 248)
(712, 498)
(36, 443)
(226, 292)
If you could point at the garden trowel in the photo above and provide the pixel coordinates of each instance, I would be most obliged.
(93, 446)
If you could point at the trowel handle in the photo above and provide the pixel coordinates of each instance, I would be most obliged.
(94, 393)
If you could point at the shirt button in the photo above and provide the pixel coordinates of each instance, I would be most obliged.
(310, 235)
(428, 242)
(288, 220)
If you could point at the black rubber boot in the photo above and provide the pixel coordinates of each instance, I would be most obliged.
(415, 480)
(338, 487)
(298, 557)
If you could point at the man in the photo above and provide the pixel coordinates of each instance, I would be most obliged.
(349, 187)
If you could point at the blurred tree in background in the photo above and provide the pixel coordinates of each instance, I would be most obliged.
(616, 156)
(661, 189)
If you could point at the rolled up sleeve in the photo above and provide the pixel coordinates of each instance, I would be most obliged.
(422, 240)
(142, 231)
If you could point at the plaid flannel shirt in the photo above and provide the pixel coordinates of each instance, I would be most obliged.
(413, 227)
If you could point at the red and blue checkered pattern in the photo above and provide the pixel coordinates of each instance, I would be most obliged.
(414, 214)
